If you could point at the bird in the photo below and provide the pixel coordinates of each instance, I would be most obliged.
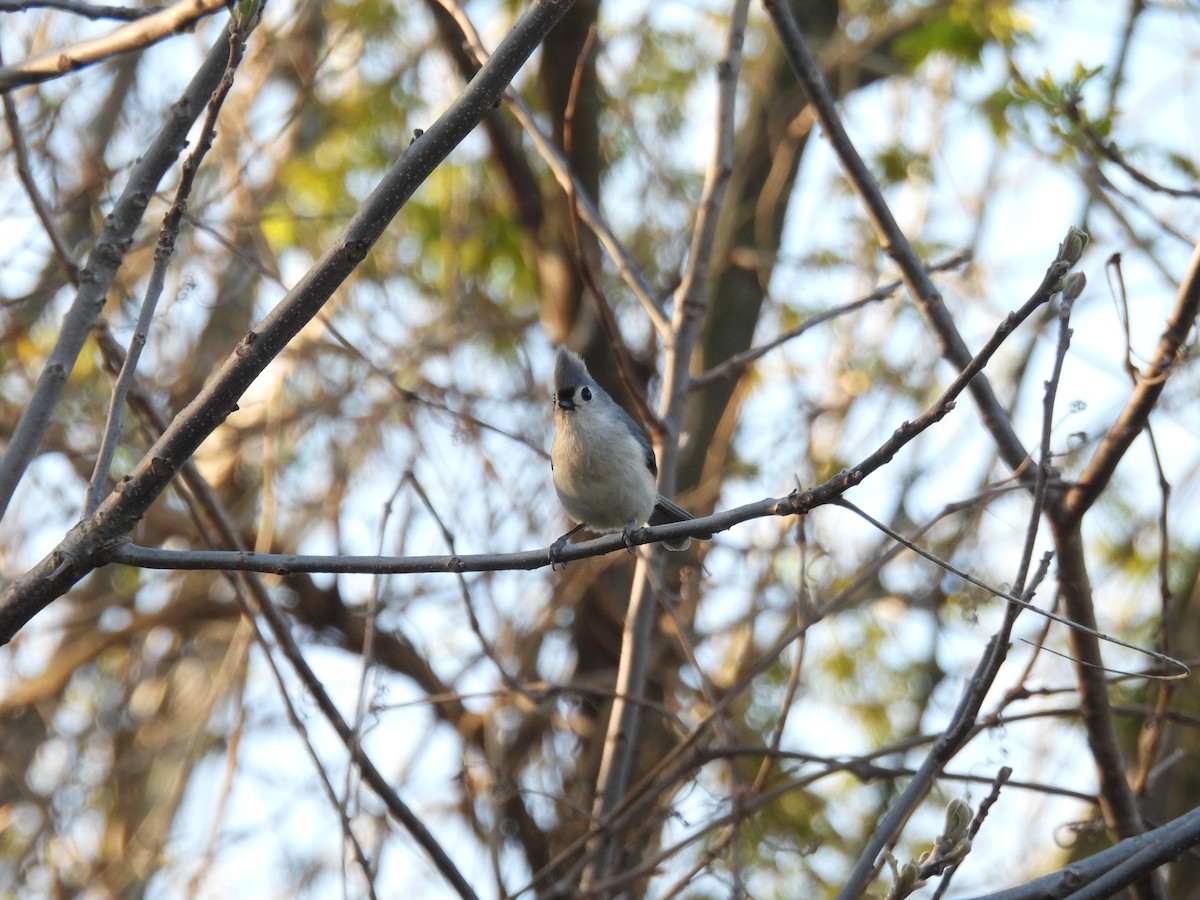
(603, 467)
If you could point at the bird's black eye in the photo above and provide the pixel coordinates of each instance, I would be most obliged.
(586, 394)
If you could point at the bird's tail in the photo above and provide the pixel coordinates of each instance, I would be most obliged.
(666, 512)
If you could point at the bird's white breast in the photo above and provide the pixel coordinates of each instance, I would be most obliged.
(600, 471)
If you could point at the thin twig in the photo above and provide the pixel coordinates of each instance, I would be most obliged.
(164, 252)
(626, 266)
(1118, 802)
(202, 501)
(1182, 669)
(726, 839)
(869, 773)
(608, 321)
(733, 366)
(40, 207)
(1150, 384)
(106, 256)
(233, 741)
(1106, 149)
(620, 745)
(677, 762)
(484, 644)
(892, 240)
(365, 673)
(998, 782)
(203, 504)
(1116, 77)
(957, 732)
(1151, 733)
(688, 314)
(620, 740)
(416, 399)
(805, 616)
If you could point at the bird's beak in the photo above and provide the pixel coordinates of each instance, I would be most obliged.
(564, 402)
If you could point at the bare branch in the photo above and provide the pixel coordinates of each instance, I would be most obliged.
(892, 240)
(958, 730)
(254, 600)
(40, 207)
(620, 740)
(1087, 488)
(734, 366)
(947, 745)
(107, 254)
(167, 236)
(1106, 149)
(136, 35)
(1104, 874)
(588, 212)
(690, 295)
(1182, 670)
(80, 8)
(89, 543)
(1074, 586)
(620, 745)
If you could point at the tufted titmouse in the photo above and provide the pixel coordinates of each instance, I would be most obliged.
(603, 466)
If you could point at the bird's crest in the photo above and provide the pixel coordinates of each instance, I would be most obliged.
(569, 370)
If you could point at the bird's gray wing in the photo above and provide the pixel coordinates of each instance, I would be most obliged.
(639, 436)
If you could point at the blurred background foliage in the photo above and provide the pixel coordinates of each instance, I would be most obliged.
(153, 748)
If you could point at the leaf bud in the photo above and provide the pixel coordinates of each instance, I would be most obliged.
(958, 819)
(1072, 286)
(1073, 245)
(907, 880)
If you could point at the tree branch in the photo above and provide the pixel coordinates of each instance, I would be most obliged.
(892, 240)
(1087, 488)
(736, 364)
(959, 729)
(620, 745)
(107, 254)
(948, 743)
(690, 295)
(164, 252)
(1117, 800)
(40, 207)
(104, 537)
(253, 601)
(557, 161)
(1103, 874)
(137, 34)
(80, 8)
(90, 543)
(1074, 587)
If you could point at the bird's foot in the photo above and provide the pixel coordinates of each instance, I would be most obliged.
(627, 535)
(556, 550)
(557, 547)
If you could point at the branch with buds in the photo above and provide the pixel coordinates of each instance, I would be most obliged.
(949, 848)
